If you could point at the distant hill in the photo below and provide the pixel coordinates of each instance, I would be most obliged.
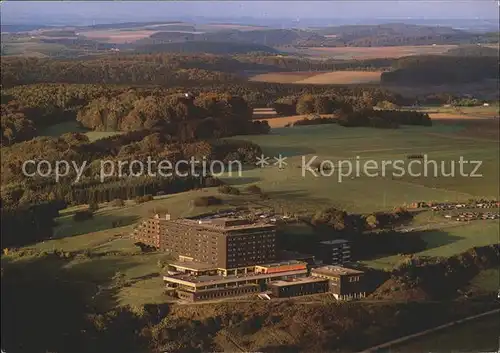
(442, 69)
(20, 28)
(270, 37)
(171, 36)
(208, 47)
(473, 50)
(399, 34)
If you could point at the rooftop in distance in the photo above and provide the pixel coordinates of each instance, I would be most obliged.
(300, 280)
(335, 241)
(335, 270)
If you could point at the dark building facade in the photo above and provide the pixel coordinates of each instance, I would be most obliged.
(223, 242)
(299, 286)
(344, 283)
(334, 252)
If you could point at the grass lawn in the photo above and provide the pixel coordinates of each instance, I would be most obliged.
(72, 126)
(448, 241)
(112, 252)
(177, 205)
(289, 187)
(479, 335)
(486, 281)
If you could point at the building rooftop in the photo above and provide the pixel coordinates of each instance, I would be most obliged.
(283, 283)
(335, 241)
(215, 279)
(282, 263)
(221, 223)
(193, 265)
(335, 270)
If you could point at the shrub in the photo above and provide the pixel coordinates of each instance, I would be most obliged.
(142, 199)
(93, 206)
(117, 203)
(80, 216)
(227, 189)
(253, 189)
(207, 201)
(116, 224)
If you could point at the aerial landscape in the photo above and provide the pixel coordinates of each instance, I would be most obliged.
(250, 176)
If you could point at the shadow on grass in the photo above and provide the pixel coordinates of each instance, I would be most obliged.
(45, 301)
(300, 195)
(284, 151)
(104, 277)
(370, 246)
(236, 180)
(67, 227)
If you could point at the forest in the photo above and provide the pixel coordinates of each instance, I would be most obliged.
(441, 70)
(164, 69)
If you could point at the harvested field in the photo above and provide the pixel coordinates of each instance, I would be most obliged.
(320, 78)
(342, 77)
(452, 116)
(118, 36)
(283, 121)
(284, 77)
(346, 53)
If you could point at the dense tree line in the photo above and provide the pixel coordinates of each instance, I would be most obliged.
(21, 195)
(49, 104)
(182, 43)
(441, 70)
(15, 126)
(188, 118)
(28, 223)
(167, 69)
(121, 69)
(331, 102)
(383, 118)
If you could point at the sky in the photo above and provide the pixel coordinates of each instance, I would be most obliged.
(15, 11)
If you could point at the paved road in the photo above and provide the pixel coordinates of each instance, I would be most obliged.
(425, 332)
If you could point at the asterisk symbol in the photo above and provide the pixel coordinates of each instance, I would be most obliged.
(262, 161)
(280, 161)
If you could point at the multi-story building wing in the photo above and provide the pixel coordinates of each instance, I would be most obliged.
(228, 243)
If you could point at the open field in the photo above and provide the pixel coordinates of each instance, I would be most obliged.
(359, 53)
(117, 36)
(343, 77)
(462, 112)
(31, 48)
(72, 126)
(304, 192)
(284, 77)
(278, 122)
(320, 78)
